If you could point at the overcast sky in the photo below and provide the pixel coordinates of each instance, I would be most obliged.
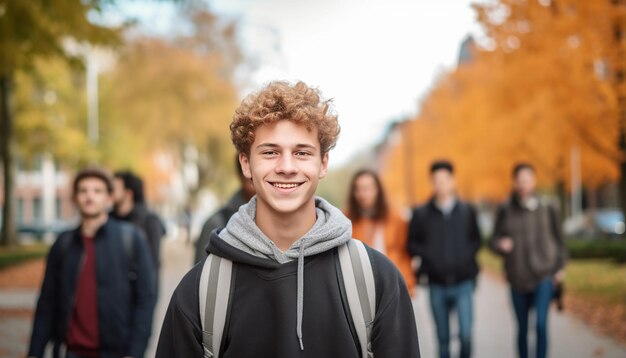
(376, 58)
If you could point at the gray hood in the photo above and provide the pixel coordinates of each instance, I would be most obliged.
(331, 229)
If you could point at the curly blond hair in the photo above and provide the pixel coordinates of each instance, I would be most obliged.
(278, 101)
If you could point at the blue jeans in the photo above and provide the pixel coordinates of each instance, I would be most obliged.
(443, 299)
(540, 299)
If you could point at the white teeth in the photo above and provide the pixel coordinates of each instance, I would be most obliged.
(285, 186)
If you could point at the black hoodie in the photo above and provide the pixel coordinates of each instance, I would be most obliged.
(262, 317)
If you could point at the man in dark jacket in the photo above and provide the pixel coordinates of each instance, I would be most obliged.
(129, 204)
(444, 234)
(286, 299)
(98, 292)
(221, 217)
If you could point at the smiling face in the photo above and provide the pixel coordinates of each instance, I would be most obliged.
(285, 164)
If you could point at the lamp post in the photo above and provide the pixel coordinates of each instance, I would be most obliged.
(91, 60)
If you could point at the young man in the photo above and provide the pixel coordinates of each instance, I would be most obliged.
(129, 204)
(444, 234)
(528, 236)
(221, 217)
(286, 298)
(98, 292)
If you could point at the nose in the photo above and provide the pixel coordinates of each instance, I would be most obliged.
(287, 165)
(89, 194)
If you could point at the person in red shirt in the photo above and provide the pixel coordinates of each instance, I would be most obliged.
(98, 293)
(83, 334)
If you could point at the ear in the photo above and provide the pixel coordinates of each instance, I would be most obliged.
(245, 165)
(324, 168)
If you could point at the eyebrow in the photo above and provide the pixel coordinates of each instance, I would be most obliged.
(276, 146)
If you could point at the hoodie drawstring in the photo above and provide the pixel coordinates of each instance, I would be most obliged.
(331, 229)
(300, 298)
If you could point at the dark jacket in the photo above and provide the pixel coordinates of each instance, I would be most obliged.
(217, 221)
(538, 248)
(152, 226)
(447, 244)
(125, 304)
(262, 315)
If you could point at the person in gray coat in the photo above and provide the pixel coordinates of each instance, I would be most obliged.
(527, 235)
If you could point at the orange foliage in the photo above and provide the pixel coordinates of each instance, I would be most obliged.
(534, 92)
(160, 99)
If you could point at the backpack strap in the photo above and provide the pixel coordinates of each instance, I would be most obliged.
(214, 294)
(358, 279)
(129, 249)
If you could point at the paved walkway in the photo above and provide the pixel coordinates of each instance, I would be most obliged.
(494, 328)
(177, 259)
(493, 335)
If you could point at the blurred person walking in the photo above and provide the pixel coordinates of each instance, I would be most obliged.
(527, 235)
(376, 224)
(129, 205)
(221, 217)
(444, 234)
(98, 292)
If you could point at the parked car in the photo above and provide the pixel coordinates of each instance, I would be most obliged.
(601, 222)
(609, 221)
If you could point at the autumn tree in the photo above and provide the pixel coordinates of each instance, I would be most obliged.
(29, 30)
(32, 31)
(175, 95)
(49, 111)
(534, 91)
(567, 50)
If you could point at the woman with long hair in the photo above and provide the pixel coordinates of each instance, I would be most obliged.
(376, 224)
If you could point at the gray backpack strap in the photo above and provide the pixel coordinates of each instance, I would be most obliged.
(358, 278)
(214, 292)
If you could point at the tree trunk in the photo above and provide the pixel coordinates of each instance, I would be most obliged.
(9, 234)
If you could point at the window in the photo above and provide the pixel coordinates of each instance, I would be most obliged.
(37, 209)
(20, 210)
